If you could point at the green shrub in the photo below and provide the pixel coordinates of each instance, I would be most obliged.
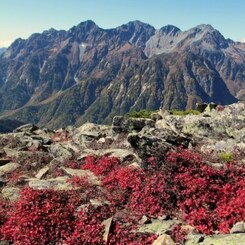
(184, 113)
(225, 156)
(140, 114)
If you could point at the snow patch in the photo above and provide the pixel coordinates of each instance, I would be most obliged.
(82, 48)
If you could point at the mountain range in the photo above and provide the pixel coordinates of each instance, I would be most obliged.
(57, 78)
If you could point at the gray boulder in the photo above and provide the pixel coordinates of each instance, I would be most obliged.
(228, 239)
(122, 124)
(27, 128)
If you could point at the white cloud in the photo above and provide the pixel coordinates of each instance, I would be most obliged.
(5, 43)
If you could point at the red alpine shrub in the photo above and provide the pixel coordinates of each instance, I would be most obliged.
(178, 234)
(101, 165)
(89, 228)
(210, 199)
(126, 235)
(183, 185)
(142, 191)
(4, 207)
(41, 217)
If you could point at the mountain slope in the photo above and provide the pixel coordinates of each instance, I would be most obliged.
(2, 50)
(58, 78)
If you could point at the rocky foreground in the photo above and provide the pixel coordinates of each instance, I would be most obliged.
(35, 161)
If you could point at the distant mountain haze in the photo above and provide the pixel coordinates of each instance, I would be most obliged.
(87, 73)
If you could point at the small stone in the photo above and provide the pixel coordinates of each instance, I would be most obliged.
(239, 227)
(134, 165)
(102, 140)
(42, 172)
(164, 240)
(98, 203)
(107, 223)
(144, 220)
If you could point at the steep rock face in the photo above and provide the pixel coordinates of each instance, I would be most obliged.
(87, 73)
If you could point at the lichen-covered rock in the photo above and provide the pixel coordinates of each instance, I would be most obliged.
(59, 183)
(228, 239)
(11, 193)
(211, 131)
(90, 131)
(8, 168)
(157, 226)
(121, 124)
(27, 128)
(59, 151)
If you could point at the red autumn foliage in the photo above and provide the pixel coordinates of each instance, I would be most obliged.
(41, 217)
(14, 177)
(125, 235)
(101, 166)
(185, 186)
(178, 234)
(4, 207)
(143, 191)
(89, 228)
(210, 199)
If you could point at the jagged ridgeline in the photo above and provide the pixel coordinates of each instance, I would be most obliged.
(87, 73)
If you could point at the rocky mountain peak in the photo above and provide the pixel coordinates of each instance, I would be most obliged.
(51, 31)
(14, 48)
(83, 31)
(169, 30)
(204, 27)
(87, 25)
(135, 32)
(136, 24)
(207, 35)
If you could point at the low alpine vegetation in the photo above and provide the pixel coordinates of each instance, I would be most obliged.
(211, 200)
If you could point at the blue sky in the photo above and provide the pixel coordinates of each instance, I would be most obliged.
(21, 18)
